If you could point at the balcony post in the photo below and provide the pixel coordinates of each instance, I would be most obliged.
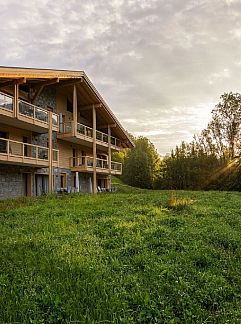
(75, 113)
(94, 149)
(16, 105)
(77, 181)
(109, 157)
(50, 155)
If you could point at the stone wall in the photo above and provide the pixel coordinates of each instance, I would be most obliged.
(12, 181)
(47, 98)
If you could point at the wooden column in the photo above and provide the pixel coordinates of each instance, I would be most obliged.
(50, 152)
(16, 93)
(109, 157)
(77, 181)
(75, 113)
(94, 149)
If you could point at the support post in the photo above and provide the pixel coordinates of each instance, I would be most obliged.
(16, 106)
(75, 113)
(94, 149)
(109, 157)
(50, 152)
(77, 181)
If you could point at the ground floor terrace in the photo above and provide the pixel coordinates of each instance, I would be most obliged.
(18, 181)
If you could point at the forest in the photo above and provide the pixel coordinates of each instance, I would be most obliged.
(211, 161)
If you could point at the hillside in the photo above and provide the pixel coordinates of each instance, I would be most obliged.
(123, 257)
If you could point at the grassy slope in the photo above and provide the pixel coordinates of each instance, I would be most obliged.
(122, 258)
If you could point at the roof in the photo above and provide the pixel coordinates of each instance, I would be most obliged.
(89, 94)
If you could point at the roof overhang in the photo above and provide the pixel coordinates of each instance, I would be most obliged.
(65, 78)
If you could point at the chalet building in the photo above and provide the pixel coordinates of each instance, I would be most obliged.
(56, 133)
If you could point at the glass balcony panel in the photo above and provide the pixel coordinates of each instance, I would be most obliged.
(81, 129)
(98, 135)
(115, 166)
(26, 109)
(90, 162)
(89, 131)
(112, 140)
(3, 146)
(105, 138)
(55, 119)
(6, 102)
(42, 153)
(41, 114)
(105, 164)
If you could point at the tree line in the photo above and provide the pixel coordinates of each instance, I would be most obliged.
(210, 161)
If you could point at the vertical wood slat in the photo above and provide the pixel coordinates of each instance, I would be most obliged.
(75, 113)
(16, 104)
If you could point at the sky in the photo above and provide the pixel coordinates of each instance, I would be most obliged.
(161, 65)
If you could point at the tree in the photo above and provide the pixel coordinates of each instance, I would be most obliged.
(225, 124)
(141, 165)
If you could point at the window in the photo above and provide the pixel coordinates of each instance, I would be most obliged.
(69, 106)
(63, 180)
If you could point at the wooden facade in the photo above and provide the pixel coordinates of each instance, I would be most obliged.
(56, 127)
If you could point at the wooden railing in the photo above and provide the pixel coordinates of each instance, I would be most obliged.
(87, 162)
(36, 113)
(116, 166)
(86, 131)
(6, 102)
(13, 150)
(26, 109)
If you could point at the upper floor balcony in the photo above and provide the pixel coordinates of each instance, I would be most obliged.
(86, 133)
(25, 154)
(85, 164)
(27, 116)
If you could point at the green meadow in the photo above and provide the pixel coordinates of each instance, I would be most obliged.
(132, 256)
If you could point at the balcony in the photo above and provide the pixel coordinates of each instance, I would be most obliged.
(85, 164)
(29, 116)
(6, 105)
(85, 133)
(14, 152)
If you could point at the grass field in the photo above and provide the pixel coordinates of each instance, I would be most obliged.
(123, 257)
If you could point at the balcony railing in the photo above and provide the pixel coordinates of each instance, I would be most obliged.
(116, 166)
(86, 162)
(6, 102)
(36, 113)
(26, 153)
(101, 137)
(86, 131)
(29, 112)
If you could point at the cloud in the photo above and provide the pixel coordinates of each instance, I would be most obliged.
(159, 64)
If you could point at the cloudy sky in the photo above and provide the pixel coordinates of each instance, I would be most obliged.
(161, 65)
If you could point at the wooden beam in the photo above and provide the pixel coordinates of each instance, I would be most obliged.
(75, 112)
(12, 82)
(70, 82)
(107, 125)
(39, 87)
(46, 82)
(90, 107)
